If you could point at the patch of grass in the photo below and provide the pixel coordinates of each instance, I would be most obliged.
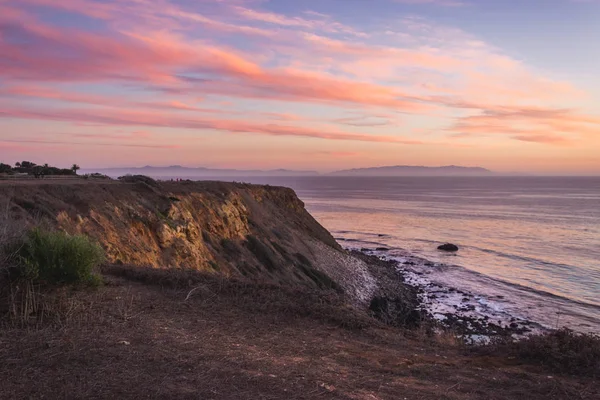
(164, 217)
(303, 259)
(281, 250)
(561, 351)
(47, 257)
(282, 301)
(39, 268)
(214, 265)
(230, 247)
(139, 179)
(206, 237)
(281, 235)
(262, 252)
(34, 208)
(321, 279)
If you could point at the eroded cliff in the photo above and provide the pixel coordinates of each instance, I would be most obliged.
(259, 232)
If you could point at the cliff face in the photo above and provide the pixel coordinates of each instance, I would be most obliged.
(259, 232)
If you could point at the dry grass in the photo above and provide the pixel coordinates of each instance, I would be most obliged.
(269, 298)
(562, 351)
(132, 340)
(37, 270)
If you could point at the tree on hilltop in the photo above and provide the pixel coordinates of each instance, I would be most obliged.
(5, 168)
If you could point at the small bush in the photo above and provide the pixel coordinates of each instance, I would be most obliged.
(139, 178)
(230, 248)
(46, 257)
(561, 351)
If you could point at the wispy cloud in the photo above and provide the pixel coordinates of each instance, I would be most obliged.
(87, 144)
(531, 124)
(446, 3)
(146, 63)
(140, 118)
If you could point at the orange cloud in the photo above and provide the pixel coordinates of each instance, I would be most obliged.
(531, 124)
(340, 154)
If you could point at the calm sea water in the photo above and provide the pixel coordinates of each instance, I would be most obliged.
(532, 241)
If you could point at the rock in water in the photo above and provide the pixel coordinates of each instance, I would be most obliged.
(448, 247)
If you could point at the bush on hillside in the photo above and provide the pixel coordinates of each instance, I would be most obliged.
(561, 351)
(47, 257)
(138, 178)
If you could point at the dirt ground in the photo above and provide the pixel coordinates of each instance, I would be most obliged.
(132, 340)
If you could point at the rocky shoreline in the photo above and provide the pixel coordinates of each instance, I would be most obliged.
(467, 314)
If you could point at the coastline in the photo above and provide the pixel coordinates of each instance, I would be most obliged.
(471, 314)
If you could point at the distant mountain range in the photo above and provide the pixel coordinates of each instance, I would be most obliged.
(406, 170)
(177, 171)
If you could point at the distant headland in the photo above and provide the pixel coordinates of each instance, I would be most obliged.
(388, 171)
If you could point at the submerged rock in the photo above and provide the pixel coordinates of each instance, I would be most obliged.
(448, 247)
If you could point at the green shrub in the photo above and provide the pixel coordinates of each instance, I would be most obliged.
(49, 257)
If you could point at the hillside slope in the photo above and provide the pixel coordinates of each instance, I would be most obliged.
(261, 233)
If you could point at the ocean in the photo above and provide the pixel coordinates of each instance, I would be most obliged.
(529, 246)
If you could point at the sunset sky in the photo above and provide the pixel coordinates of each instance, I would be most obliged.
(510, 85)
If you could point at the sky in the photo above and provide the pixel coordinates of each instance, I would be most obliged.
(321, 85)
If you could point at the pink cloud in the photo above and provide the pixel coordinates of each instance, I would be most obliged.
(162, 58)
(71, 143)
(155, 46)
(340, 154)
(55, 94)
(138, 118)
(319, 22)
(447, 3)
(544, 138)
(96, 9)
(12, 147)
(119, 136)
(92, 57)
(532, 124)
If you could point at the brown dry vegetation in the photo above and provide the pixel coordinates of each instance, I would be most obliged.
(163, 335)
